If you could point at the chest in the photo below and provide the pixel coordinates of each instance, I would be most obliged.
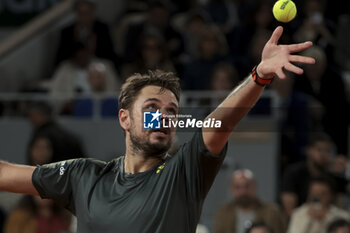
(114, 202)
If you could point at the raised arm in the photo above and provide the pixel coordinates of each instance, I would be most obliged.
(16, 178)
(275, 58)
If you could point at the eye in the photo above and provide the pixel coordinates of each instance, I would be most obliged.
(151, 107)
(171, 111)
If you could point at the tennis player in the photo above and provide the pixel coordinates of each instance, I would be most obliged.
(147, 191)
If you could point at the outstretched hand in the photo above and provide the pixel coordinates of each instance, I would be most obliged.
(276, 57)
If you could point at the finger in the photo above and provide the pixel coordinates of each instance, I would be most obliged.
(294, 48)
(276, 35)
(280, 74)
(292, 68)
(301, 59)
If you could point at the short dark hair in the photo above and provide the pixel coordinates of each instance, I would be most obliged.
(318, 137)
(325, 180)
(134, 84)
(259, 225)
(77, 3)
(333, 226)
(158, 4)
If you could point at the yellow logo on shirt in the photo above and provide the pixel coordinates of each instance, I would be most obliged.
(160, 168)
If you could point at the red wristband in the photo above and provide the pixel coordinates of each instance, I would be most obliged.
(260, 81)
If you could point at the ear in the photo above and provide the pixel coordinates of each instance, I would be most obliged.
(124, 119)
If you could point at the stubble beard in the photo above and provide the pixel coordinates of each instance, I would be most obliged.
(143, 145)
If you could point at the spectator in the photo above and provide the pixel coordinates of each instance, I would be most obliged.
(259, 227)
(223, 13)
(156, 22)
(33, 214)
(342, 49)
(238, 215)
(323, 83)
(295, 120)
(240, 38)
(98, 82)
(97, 78)
(315, 27)
(87, 30)
(297, 176)
(40, 151)
(212, 50)
(36, 215)
(194, 24)
(315, 215)
(152, 54)
(251, 56)
(339, 226)
(255, 49)
(71, 78)
(224, 77)
(64, 144)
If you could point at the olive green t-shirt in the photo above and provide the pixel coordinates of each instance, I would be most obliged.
(167, 198)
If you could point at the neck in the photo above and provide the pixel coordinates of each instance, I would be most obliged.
(135, 164)
(137, 161)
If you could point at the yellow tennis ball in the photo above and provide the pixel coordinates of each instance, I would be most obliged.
(284, 10)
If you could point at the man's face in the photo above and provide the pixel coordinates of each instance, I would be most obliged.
(259, 230)
(243, 190)
(152, 142)
(85, 13)
(320, 154)
(343, 229)
(222, 81)
(209, 46)
(97, 80)
(37, 118)
(41, 152)
(321, 192)
(151, 52)
(242, 186)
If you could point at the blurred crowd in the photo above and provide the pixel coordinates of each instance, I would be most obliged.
(211, 45)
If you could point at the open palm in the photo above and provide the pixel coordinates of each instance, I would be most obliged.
(276, 57)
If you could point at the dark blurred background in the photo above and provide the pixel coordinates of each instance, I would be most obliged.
(62, 64)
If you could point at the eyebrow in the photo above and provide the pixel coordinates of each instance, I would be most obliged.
(157, 100)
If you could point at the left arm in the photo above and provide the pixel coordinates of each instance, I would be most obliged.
(275, 58)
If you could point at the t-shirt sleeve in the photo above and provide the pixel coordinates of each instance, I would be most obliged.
(198, 165)
(57, 181)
